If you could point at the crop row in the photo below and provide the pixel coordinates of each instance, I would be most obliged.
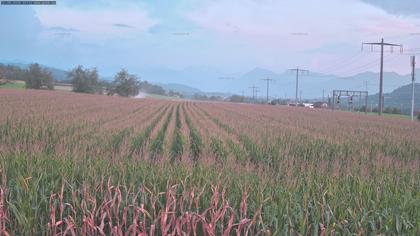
(157, 144)
(139, 141)
(195, 139)
(177, 141)
(106, 166)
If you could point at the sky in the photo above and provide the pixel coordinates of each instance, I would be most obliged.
(229, 36)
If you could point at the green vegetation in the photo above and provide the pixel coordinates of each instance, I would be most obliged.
(37, 77)
(156, 147)
(218, 150)
(177, 141)
(11, 73)
(139, 142)
(13, 84)
(100, 167)
(34, 77)
(124, 84)
(84, 80)
(195, 140)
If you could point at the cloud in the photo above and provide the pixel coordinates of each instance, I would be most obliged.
(98, 24)
(21, 30)
(398, 7)
(273, 34)
(123, 26)
(330, 49)
(63, 34)
(19, 23)
(231, 35)
(274, 24)
(62, 29)
(170, 29)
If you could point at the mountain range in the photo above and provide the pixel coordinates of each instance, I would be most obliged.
(210, 81)
(311, 85)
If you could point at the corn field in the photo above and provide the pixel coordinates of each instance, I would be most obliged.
(74, 164)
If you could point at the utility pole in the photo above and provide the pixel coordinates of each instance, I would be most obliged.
(381, 77)
(328, 100)
(254, 88)
(413, 80)
(256, 94)
(298, 71)
(268, 85)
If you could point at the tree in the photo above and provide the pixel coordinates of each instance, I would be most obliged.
(37, 77)
(151, 88)
(175, 94)
(236, 98)
(84, 80)
(10, 72)
(125, 84)
(198, 96)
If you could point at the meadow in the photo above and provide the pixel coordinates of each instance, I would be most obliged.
(14, 84)
(75, 164)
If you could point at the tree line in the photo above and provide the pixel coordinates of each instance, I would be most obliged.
(35, 76)
(83, 80)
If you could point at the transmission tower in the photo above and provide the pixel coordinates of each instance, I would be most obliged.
(268, 85)
(298, 71)
(381, 77)
(413, 80)
(256, 94)
(254, 90)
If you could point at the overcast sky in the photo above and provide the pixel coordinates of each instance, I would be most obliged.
(230, 36)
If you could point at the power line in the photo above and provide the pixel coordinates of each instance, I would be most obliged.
(254, 89)
(268, 85)
(298, 71)
(339, 62)
(413, 80)
(381, 77)
(350, 65)
(371, 64)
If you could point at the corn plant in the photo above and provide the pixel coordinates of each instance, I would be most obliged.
(177, 148)
(156, 147)
(64, 168)
(195, 139)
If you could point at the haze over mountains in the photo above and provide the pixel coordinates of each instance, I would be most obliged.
(311, 85)
(209, 80)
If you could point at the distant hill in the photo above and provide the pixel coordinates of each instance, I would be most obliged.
(312, 85)
(180, 88)
(58, 74)
(211, 81)
(400, 98)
